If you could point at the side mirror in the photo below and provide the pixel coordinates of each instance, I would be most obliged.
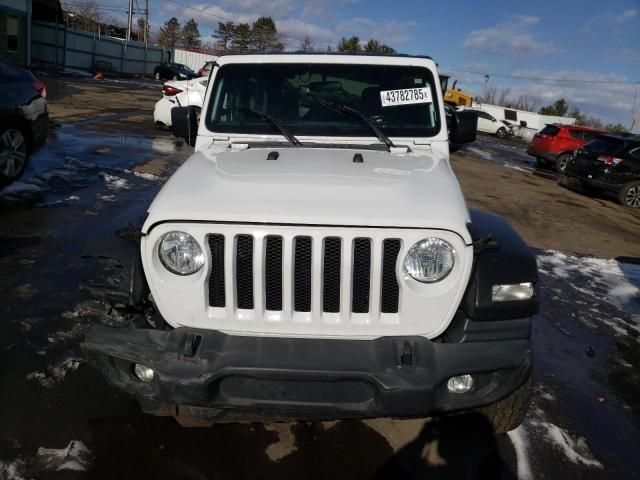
(464, 126)
(184, 123)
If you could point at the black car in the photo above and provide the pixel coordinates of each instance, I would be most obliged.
(173, 71)
(610, 163)
(23, 119)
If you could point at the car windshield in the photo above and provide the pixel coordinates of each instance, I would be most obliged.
(183, 68)
(399, 100)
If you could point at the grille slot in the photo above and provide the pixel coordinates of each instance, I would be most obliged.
(302, 274)
(273, 273)
(244, 271)
(216, 279)
(361, 279)
(331, 275)
(389, 284)
(280, 273)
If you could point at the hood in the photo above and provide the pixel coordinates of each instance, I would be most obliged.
(314, 186)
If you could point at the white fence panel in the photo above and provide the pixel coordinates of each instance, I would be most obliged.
(193, 60)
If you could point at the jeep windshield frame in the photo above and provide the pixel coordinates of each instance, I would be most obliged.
(289, 92)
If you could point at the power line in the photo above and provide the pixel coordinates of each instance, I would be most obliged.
(542, 79)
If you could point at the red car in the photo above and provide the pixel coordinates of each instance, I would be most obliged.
(555, 144)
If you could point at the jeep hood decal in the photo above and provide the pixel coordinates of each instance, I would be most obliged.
(315, 186)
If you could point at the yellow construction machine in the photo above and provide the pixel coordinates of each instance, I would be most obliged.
(455, 98)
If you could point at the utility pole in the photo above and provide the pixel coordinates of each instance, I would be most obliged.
(129, 20)
(146, 21)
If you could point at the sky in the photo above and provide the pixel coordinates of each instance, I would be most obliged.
(589, 48)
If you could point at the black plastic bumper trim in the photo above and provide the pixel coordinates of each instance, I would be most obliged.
(307, 378)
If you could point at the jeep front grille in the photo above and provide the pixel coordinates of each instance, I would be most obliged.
(317, 269)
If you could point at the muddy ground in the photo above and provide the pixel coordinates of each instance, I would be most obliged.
(60, 420)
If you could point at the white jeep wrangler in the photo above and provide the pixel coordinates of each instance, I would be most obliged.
(315, 259)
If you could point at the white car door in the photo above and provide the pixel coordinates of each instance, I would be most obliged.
(486, 123)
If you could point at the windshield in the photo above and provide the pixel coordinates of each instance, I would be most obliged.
(399, 100)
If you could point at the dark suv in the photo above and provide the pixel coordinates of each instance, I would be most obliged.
(173, 71)
(555, 144)
(612, 163)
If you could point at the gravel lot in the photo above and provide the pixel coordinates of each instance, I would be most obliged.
(60, 420)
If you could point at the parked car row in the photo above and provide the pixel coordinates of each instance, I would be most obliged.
(598, 160)
(555, 144)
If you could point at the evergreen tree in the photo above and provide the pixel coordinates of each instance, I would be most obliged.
(191, 34)
(169, 34)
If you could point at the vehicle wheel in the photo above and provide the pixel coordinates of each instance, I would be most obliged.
(562, 161)
(629, 194)
(509, 412)
(13, 154)
(157, 75)
(502, 133)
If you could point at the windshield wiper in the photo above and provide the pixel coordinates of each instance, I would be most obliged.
(272, 120)
(340, 108)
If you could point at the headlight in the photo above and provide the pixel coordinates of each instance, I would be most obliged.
(430, 260)
(180, 253)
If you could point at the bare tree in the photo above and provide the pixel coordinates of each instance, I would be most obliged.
(527, 103)
(489, 95)
(85, 15)
(306, 45)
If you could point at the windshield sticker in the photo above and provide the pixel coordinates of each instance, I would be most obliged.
(406, 96)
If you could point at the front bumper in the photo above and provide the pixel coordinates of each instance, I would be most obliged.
(304, 378)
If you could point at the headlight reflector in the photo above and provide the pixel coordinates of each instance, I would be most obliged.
(430, 260)
(180, 253)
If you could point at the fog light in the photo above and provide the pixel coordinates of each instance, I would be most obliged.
(144, 373)
(512, 293)
(460, 384)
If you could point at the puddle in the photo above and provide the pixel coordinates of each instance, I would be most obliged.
(74, 159)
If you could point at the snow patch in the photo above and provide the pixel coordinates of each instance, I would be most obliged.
(574, 448)
(520, 443)
(12, 471)
(619, 285)
(55, 374)
(75, 456)
(113, 182)
(481, 153)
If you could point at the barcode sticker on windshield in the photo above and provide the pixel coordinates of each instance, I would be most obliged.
(406, 96)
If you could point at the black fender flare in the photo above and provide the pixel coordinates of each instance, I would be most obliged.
(500, 257)
(119, 240)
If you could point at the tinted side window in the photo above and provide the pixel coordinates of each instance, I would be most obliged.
(550, 130)
(577, 134)
(591, 135)
(607, 146)
(484, 115)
